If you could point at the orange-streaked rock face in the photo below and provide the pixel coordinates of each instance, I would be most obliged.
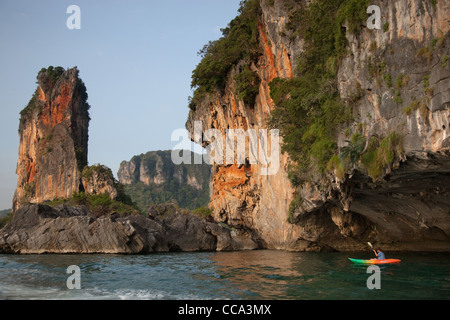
(328, 212)
(240, 195)
(53, 139)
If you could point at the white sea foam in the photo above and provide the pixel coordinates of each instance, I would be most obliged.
(20, 292)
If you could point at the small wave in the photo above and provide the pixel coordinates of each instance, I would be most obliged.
(20, 292)
(132, 294)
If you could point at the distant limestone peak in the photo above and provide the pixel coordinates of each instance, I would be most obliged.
(153, 178)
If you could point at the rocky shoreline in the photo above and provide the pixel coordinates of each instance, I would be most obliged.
(63, 229)
(42, 229)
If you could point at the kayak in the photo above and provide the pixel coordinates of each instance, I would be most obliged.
(374, 261)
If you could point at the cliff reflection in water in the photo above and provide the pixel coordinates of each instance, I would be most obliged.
(266, 273)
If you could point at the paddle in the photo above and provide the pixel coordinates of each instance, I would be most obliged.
(370, 245)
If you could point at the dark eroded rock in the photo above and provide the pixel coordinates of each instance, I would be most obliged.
(38, 229)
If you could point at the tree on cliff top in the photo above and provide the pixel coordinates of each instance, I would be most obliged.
(47, 79)
(239, 41)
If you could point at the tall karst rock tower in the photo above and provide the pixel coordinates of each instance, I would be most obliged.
(317, 72)
(53, 138)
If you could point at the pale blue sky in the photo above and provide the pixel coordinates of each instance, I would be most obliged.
(136, 58)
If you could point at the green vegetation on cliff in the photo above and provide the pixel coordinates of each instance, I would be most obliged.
(381, 154)
(239, 42)
(53, 76)
(47, 78)
(101, 170)
(309, 110)
(101, 203)
(105, 175)
(373, 157)
(30, 108)
(98, 204)
(247, 85)
(310, 113)
(5, 217)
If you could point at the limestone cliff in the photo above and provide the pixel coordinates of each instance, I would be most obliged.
(53, 138)
(396, 80)
(153, 178)
(99, 179)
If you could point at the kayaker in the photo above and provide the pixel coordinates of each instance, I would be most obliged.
(380, 254)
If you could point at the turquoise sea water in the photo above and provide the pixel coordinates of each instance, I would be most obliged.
(252, 275)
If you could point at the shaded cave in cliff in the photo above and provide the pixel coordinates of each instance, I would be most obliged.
(409, 208)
